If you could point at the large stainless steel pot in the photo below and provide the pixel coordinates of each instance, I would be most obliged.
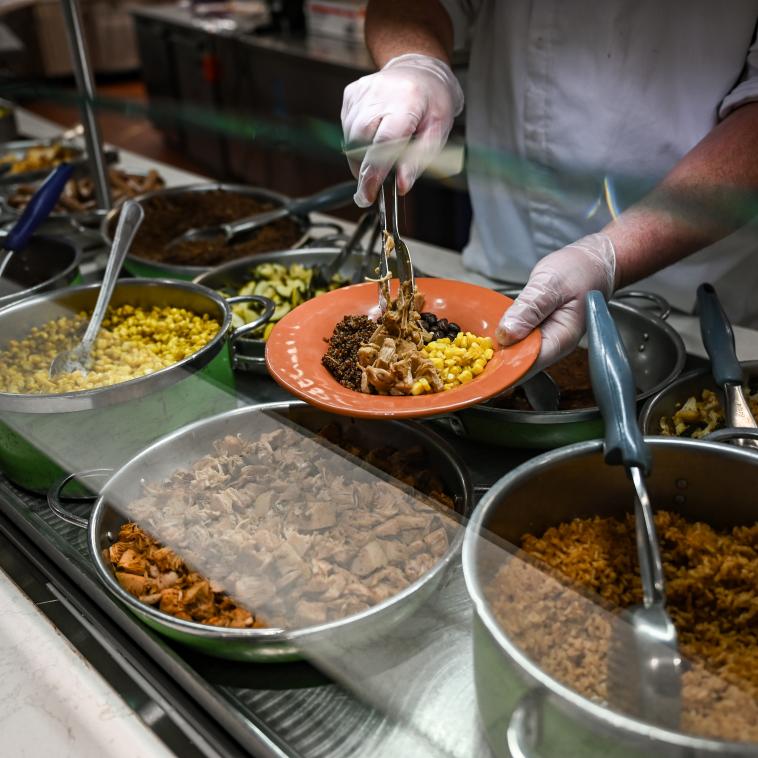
(44, 264)
(43, 435)
(160, 460)
(671, 398)
(141, 267)
(525, 711)
(656, 354)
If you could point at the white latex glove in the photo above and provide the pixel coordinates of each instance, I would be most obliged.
(553, 298)
(413, 96)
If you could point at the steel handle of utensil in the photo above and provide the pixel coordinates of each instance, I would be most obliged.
(365, 223)
(269, 306)
(613, 386)
(238, 228)
(525, 726)
(651, 564)
(718, 337)
(325, 200)
(38, 208)
(128, 222)
(55, 495)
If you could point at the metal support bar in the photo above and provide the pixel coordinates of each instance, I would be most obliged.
(86, 85)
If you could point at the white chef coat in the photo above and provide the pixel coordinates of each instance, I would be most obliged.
(563, 93)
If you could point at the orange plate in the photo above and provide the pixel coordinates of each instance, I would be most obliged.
(297, 343)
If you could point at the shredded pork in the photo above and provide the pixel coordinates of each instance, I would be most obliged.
(289, 527)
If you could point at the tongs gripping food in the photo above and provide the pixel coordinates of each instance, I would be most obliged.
(404, 263)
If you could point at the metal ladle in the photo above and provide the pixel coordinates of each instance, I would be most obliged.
(644, 664)
(79, 358)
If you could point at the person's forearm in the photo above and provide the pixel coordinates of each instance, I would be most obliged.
(396, 27)
(710, 193)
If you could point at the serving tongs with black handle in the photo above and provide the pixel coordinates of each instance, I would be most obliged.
(325, 200)
(718, 338)
(644, 664)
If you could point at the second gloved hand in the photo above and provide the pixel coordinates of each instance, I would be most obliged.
(413, 96)
(553, 298)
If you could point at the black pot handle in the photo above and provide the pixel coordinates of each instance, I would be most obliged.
(55, 498)
(525, 726)
(718, 337)
(613, 385)
(269, 306)
(664, 307)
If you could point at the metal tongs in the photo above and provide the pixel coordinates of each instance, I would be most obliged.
(404, 263)
(644, 664)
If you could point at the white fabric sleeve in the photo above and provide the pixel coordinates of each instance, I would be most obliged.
(462, 13)
(746, 90)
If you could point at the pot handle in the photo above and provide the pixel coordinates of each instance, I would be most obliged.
(664, 307)
(55, 498)
(525, 726)
(452, 422)
(732, 433)
(269, 306)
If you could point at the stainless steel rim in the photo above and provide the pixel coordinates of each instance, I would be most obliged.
(671, 390)
(590, 710)
(202, 631)
(193, 272)
(133, 388)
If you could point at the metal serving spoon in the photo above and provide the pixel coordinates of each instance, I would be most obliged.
(327, 199)
(644, 664)
(79, 358)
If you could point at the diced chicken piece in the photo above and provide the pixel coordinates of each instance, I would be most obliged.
(152, 599)
(198, 593)
(400, 523)
(240, 619)
(418, 566)
(171, 600)
(395, 551)
(169, 579)
(370, 558)
(254, 591)
(133, 584)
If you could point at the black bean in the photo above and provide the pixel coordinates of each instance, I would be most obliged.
(430, 318)
(443, 323)
(453, 327)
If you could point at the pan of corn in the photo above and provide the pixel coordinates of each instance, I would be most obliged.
(163, 358)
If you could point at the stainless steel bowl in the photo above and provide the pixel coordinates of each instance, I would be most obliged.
(45, 264)
(671, 398)
(143, 267)
(160, 460)
(42, 436)
(525, 711)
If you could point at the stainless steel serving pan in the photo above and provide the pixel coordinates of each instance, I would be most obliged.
(160, 460)
(146, 268)
(45, 264)
(671, 398)
(43, 435)
(656, 354)
(525, 711)
(233, 275)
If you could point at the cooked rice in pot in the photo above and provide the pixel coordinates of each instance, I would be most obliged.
(560, 620)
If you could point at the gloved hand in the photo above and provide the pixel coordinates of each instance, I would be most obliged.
(554, 297)
(412, 96)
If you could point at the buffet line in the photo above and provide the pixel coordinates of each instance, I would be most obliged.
(228, 519)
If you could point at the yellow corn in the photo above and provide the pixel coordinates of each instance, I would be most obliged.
(134, 341)
(457, 361)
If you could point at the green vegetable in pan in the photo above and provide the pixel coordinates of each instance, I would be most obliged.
(287, 286)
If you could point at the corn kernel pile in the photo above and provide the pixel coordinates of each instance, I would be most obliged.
(457, 361)
(132, 342)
